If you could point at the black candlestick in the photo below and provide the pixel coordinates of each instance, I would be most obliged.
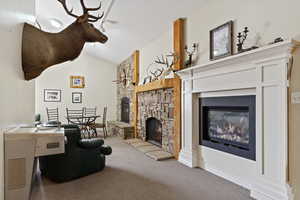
(241, 39)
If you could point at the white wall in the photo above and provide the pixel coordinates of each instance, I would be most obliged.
(99, 89)
(265, 18)
(17, 95)
(160, 46)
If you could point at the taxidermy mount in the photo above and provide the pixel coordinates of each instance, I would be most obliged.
(41, 50)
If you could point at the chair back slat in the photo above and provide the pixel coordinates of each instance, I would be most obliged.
(75, 113)
(52, 114)
(90, 111)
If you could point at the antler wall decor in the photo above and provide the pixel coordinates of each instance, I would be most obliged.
(124, 78)
(161, 67)
(168, 65)
(41, 50)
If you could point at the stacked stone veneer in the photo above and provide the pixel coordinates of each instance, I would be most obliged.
(122, 91)
(160, 105)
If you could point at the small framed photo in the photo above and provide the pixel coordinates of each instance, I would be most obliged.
(52, 95)
(221, 41)
(76, 97)
(77, 82)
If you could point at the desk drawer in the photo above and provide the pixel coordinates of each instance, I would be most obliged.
(49, 145)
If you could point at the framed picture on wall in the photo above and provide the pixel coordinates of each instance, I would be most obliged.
(77, 82)
(76, 97)
(221, 41)
(52, 95)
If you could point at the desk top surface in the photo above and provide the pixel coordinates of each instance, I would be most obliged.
(18, 132)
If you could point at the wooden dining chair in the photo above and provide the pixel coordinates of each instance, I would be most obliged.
(79, 114)
(103, 124)
(90, 111)
(52, 115)
(76, 116)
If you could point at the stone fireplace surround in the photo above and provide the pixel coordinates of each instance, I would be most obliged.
(264, 73)
(157, 104)
(127, 92)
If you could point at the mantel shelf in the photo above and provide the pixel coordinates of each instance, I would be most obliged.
(156, 85)
(258, 55)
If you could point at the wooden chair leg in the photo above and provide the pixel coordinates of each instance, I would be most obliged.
(95, 131)
(105, 131)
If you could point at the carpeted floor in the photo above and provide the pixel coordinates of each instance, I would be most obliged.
(130, 175)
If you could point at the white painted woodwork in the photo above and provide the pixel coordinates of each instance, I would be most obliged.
(22, 146)
(262, 72)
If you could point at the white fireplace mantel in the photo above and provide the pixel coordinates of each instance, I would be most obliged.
(264, 73)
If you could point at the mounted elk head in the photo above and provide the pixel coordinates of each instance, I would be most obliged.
(41, 50)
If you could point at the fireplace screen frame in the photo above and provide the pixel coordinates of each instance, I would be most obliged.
(149, 131)
(125, 110)
(229, 103)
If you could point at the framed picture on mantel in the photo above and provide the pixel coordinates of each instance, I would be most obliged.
(221, 41)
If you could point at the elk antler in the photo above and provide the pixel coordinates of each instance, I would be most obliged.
(69, 12)
(91, 18)
(86, 10)
(164, 60)
(157, 73)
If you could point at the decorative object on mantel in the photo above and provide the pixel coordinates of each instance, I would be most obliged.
(161, 68)
(41, 50)
(124, 78)
(277, 40)
(157, 73)
(52, 95)
(76, 97)
(189, 62)
(241, 39)
(221, 39)
(168, 65)
(77, 82)
(147, 79)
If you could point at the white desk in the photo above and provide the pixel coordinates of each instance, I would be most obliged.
(22, 146)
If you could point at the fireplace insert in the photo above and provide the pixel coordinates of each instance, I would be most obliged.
(154, 131)
(125, 109)
(228, 124)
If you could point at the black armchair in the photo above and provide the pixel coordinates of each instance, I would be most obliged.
(81, 158)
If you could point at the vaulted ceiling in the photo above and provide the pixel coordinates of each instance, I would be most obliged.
(138, 22)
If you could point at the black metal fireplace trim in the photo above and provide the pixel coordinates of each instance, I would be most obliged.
(242, 103)
(125, 110)
(149, 129)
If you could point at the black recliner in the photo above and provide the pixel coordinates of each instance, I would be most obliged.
(81, 158)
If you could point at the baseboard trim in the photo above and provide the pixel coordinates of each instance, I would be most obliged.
(188, 159)
(268, 191)
(260, 189)
(291, 193)
(231, 178)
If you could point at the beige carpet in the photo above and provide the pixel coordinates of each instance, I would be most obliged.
(130, 175)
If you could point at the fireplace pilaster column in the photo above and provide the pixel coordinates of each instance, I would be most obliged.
(189, 153)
